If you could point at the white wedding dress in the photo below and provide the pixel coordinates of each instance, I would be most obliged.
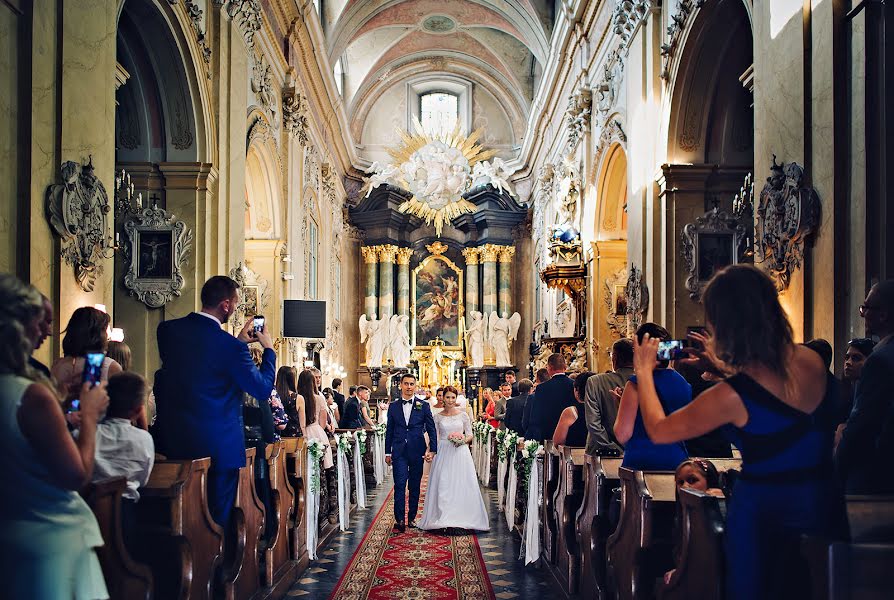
(453, 498)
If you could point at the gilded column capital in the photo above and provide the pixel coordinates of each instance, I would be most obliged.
(387, 253)
(489, 252)
(471, 255)
(403, 255)
(370, 254)
(506, 253)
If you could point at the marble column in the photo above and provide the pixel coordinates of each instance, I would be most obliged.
(370, 259)
(489, 280)
(403, 280)
(472, 256)
(505, 278)
(386, 280)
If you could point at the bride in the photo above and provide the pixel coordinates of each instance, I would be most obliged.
(448, 502)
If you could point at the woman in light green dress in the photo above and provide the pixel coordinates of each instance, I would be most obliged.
(49, 535)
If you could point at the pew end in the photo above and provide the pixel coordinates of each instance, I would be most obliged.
(593, 525)
(125, 578)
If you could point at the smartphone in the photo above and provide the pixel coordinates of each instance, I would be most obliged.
(75, 406)
(259, 323)
(93, 368)
(672, 349)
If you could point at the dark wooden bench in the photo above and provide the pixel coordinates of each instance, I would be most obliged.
(125, 578)
(492, 441)
(242, 566)
(700, 569)
(567, 501)
(296, 467)
(548, 524)
(860, 571)
(178, 539)
(639, 551)
(593, 524)
(280, 571)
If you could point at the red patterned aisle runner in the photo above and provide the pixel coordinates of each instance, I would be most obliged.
(413, 565)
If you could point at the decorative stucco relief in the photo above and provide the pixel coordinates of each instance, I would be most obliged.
(686, 9)
(247, 16)
(262, 86)
(294, 114)
(577, 115)
(195, 18)
(627, 17)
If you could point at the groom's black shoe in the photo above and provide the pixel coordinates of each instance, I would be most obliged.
(412, 524)
(400, 527)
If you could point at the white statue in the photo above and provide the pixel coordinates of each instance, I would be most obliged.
(375, 333)
(579, 357)
(399, 340)
(381, 174)
(503, 331)
(476, 334)
(564, 319)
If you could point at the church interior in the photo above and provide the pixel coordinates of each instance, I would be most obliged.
(467, 192)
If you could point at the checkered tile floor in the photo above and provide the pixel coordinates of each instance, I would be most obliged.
(500, 550)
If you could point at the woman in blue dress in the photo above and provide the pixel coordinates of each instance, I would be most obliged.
(641, 453)
(778, 400)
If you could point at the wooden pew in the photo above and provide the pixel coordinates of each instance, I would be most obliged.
(296, 467)
(492, 440)
(567, 500)
(125, 578)
(242, 568)
(280, 571)
(593, 525)
(639, 551)
(860, 571)
(547, 510)
(178, 539)
(700, 569)
(368, 465)
(871, 518)
(521, 495)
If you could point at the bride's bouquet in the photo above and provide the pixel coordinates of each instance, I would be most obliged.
(457, 439)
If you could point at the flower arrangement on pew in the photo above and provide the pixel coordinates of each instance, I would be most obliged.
(457, 439)
(529, 453)
(360, 435)
(343, 442)
(315, 449)
(501, 449)
(510, 443)
(380, 430)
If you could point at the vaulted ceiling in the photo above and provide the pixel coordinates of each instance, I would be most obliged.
(498, 44)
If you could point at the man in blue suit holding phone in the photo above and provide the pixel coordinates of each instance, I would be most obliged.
(199, 389)
(408, 420)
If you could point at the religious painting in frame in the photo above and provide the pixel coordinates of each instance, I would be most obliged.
(437, 306)
(251, 299)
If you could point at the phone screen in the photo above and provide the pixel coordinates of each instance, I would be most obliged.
(75, 405)
(671, 349)
(258, 323)
(93, 368)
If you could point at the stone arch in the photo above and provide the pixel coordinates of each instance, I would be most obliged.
(162, 106)
(262, 189)
(611, 194)
(709, 115)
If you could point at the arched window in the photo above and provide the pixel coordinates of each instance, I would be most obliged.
(339, 73)
(313, 244)
(438, 112)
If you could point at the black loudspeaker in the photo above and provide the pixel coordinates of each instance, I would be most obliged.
(304, 319)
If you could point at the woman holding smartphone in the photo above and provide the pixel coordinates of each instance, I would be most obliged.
(87, 333)
(778, 401)
(49, 533)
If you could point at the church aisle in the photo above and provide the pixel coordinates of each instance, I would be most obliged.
(498, 550)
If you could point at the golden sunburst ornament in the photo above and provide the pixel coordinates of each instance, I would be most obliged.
(438, 169)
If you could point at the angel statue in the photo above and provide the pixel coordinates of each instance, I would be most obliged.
(375, 333)
(475, 336)
(503, 331)
(399, 340)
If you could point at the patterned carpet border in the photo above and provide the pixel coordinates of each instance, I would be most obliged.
(413, 565)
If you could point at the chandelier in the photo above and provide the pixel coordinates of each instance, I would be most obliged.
(438, 169)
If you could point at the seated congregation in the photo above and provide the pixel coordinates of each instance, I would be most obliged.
(741, 470)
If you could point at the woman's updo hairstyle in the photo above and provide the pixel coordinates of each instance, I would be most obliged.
(21, 304)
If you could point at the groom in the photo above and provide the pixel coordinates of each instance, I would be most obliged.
(408, 419)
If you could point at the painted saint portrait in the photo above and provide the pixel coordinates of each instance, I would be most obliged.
(715, 251)
(437, 304)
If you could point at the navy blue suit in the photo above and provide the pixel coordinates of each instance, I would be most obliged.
(199, 396)
(405, 443)
(547, 404)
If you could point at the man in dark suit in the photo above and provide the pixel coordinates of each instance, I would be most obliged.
(550, 399)
(865, 454)
(600, 405)
(541, 376)
(510, 379)
(199, 389)
(351, 418)
(515, 407)
(337, 396)
(409, 418)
